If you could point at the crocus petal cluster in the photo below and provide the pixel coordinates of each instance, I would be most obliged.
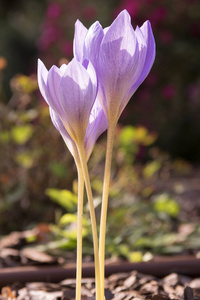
(122, 58)
(70, 91)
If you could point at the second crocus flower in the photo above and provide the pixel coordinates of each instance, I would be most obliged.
(122, 58)
(70, 91)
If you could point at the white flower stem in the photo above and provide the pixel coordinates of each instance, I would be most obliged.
(106, 183)
(81, 151)
(79, 232)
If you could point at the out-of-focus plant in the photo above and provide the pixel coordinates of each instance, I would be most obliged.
(19, 28)
(169, 101)
(27, 163)
(64, 231)
(31, 171)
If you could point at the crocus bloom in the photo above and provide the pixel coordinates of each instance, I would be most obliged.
(121, 56)
(70, 92)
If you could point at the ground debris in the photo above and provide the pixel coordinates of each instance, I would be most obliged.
(122, 286)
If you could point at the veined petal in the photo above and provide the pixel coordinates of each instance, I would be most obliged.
(150, 55)
(42, 80)
(77, 93)
(142, 44)
(63, 69)
(142, 52)
(65, 135)
(97, 125)
(79, 38)
(53, 82)
(118, 62)
(92, 42)
(92, 73)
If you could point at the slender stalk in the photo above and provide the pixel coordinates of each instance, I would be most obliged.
(79, 232)
(106, 183)
(81, 151)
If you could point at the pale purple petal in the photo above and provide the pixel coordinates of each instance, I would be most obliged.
(79, 38)
(118, 62)
(42, 80)
(92, 73)
(142, 52)
(140, 66)
(92, 42)
(77, 94)
(63, 69)
(150, 56)
(65, 135)
(97, 125)
(53, 82)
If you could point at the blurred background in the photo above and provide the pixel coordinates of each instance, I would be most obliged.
(158, 138)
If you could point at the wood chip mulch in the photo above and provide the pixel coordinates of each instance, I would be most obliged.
(122, 286)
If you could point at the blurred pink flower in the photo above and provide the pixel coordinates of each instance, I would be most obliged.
(67, 48)
(50, 35)
(53, 11)
(131, 6)
(158, 15)
(168, 91)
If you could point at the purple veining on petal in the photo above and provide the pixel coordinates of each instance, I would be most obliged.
(77, 93)
(150, 55)
(79, 38)
(92, 42)
(118, 62)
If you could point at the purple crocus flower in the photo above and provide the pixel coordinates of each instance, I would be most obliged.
(121, 56)
(70, 92)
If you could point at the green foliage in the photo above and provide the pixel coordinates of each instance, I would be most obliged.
(57, 169)
(64, 198)
(65, 233)
(130, 139)
(135, 256)
(62, 244)
(67, 219)
(4, 136)
(21, 134)
(165, 204)
(126, 136)
(127, 145)
(25, 159)
(151, 168)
